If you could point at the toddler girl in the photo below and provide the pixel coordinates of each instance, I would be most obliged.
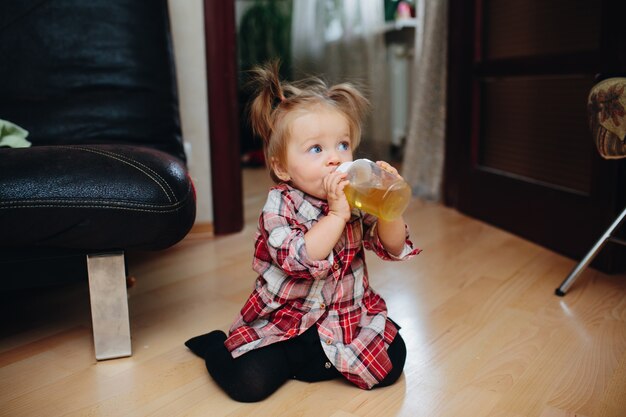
(312, 315)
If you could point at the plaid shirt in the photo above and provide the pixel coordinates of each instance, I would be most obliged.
(294, 292)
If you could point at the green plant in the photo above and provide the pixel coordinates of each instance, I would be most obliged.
(265, 34)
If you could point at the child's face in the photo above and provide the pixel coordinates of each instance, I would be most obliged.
(319, 143)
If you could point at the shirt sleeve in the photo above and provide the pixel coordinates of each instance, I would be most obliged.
(283, 237)
(372, 242)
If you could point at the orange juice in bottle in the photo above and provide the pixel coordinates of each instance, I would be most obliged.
(374, 190)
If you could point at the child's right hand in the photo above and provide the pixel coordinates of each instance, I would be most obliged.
(324, 235)
(338, 205)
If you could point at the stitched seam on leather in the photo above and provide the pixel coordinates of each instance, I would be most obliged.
(146, 208)
(127, 162)
(94, 207)
(166, 209)
(9, 204)
(156, 174)
(68, 202)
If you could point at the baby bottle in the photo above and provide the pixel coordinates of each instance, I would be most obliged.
(374, 190)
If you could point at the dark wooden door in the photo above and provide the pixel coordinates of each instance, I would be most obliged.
(519, 151)
(221, 65)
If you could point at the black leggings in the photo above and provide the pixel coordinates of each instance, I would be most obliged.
(255, 375)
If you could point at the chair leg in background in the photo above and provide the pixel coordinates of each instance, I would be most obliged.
(584, 263)
(109, 305)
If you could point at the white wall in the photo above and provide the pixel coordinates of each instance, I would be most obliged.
(187, 21)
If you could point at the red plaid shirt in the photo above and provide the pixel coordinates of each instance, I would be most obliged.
(294, 292)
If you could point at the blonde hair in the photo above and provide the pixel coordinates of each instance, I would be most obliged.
(276, 102)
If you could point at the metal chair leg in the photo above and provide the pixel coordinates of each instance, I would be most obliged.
(109, 305)
(584, 263)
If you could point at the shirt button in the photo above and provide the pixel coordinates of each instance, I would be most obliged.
(336, 267)
(322, 306)
(329, 341)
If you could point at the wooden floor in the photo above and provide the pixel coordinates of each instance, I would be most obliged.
(485, 334)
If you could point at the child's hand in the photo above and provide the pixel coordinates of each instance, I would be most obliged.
(324, 235)
(387, 167)
(338, 205)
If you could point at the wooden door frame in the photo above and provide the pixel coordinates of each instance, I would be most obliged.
(221, 68)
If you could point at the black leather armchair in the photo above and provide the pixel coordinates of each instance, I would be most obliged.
(94, 84)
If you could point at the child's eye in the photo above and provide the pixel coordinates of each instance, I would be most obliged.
(344, 146)
(315, 149)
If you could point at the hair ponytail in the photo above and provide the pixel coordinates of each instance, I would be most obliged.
(268, 92)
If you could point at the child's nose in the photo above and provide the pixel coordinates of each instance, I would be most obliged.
(333, 158)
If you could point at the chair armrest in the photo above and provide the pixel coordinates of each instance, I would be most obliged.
(94, 198)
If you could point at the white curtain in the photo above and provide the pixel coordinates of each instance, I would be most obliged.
(343, 41)
(425, 144)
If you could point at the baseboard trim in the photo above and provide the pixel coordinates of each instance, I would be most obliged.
(202, 229)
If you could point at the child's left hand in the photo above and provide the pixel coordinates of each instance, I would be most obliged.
(385, 166)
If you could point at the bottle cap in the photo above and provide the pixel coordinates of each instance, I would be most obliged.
(344, 167)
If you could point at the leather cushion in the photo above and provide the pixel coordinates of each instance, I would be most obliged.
(89, 72)
(93, 198)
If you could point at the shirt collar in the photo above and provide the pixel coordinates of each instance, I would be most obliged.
(317, 203)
